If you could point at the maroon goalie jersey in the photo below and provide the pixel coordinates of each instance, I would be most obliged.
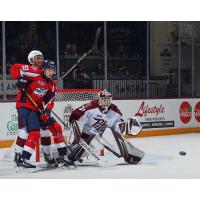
(94, 120)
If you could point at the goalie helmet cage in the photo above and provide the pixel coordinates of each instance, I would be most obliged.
(61, 95)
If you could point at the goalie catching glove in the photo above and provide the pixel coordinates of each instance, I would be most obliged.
(131, 127)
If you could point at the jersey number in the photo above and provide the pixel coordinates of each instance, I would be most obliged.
(25, 67)
(82, 108)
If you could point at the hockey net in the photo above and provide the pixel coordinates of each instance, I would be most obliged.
(76, 94)
(64, 95)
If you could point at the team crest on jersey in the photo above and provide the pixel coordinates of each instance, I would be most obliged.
(100, 124)
(40, 92)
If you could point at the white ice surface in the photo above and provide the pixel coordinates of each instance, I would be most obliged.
(162, 161)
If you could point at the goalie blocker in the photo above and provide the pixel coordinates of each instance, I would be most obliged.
(97, 116)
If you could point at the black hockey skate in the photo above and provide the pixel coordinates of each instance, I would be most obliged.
(26, 164)
(18, 160)
(64, 161)
(49, 159)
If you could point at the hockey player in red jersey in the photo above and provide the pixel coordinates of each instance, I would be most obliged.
(42, 91)
(25, 73)
(99, 115)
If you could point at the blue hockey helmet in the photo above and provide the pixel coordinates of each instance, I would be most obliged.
(49, 64)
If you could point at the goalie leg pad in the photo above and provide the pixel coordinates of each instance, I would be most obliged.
(130, 156)
(78, 150)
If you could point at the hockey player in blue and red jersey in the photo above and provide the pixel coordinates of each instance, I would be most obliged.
(25, 73)
(42, 91)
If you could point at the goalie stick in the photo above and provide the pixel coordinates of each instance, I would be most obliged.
(108, 148)
(84, 55)
(101, 162)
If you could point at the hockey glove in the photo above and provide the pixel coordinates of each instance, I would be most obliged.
(22, 83)
(45, 116)
(133, 126)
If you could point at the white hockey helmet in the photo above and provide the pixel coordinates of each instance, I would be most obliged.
(32, 55)
(104, 98)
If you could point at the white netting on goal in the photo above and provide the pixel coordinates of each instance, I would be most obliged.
(76, 94)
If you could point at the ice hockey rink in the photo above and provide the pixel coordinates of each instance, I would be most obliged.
(162, 161)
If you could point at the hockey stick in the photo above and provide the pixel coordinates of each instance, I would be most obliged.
(108, 148)
(101, 163)
(84, 55)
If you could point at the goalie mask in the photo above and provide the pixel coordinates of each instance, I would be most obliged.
(104, 100)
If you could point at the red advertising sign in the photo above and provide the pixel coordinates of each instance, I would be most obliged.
(197, 111)
(185, 112)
